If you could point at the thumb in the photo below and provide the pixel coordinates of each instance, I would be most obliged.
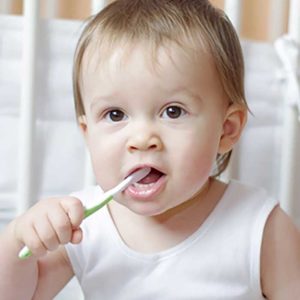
(76, 236)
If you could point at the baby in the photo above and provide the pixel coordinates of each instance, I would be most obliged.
(159, 84)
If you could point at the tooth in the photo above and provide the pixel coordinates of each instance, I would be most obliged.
(141, 185)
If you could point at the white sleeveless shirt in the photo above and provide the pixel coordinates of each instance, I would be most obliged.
(220, 261)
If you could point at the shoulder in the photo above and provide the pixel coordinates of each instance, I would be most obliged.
(251, 201)
(280, 257)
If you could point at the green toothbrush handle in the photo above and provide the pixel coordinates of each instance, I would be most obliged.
(91, 210)
(25, 252)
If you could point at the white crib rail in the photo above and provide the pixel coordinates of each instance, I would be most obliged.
(277, 18)
(294, 19)
(97, 5)
(291, 131)
(5, 6)
(51, 8)
(27, 112)
(233, 9)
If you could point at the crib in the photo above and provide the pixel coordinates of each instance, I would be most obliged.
(42, 152)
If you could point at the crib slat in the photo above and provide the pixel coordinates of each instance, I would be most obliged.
(97, 5)
(233, 9)
(291, 130)
(277, 18)
(27, 112)
(51, 8)
(294, 19)
(5, 6)
(289, 156)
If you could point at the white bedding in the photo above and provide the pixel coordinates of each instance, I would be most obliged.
(60, 152)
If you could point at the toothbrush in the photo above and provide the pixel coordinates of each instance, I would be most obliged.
(106, 197)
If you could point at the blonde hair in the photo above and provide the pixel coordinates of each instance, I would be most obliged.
(192, 24)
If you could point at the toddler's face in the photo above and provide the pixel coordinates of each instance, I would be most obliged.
(170, 118)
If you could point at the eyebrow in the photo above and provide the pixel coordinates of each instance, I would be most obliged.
(187, 91)
(95, 101)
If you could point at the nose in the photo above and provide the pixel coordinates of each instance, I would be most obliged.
(144, 140)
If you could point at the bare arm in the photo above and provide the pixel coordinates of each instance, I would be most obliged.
(18, 279)
(43, 228)
(280, 261)
(55, 271)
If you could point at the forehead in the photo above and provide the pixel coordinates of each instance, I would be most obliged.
(144, 56)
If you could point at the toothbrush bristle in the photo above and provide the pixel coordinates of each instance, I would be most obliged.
(151, 177)
(140, 174)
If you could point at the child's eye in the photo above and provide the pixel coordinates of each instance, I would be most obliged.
(173, 112)
(115, 115)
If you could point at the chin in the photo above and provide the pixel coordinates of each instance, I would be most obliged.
(146, 209)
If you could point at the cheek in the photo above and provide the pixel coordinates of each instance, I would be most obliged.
(194, 159)
(103, 152)
(198, 164)
(194, 173)
(196, 148)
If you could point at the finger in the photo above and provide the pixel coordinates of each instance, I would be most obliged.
(74, 209)
(34, 243)
(61, 224)
(46, 233)
(76, 236)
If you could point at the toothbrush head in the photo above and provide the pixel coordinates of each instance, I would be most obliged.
(138, 175)
(132, 178)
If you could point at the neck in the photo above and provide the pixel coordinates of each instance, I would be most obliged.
(168, 229)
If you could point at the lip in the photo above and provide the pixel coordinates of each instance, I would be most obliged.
(147, 191)
(138, 167)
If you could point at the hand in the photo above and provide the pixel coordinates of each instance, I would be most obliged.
(50, 223)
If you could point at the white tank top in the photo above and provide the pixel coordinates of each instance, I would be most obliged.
(220, 261)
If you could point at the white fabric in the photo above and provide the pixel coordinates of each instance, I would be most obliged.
(221, 260)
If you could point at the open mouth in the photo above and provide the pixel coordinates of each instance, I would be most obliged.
(148, 186)
(152, 177)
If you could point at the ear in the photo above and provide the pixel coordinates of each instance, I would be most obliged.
(234, 123)
(83, 125)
